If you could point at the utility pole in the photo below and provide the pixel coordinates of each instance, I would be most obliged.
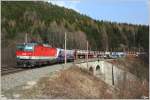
(134, 42)
(113, 75)
(139, 48)
(26, 38)
(87, 54)
(75, 55)
(65, 49)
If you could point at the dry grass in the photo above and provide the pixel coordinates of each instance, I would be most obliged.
(76, 83)
(135, 66)
(137, 87)
(71, 83)
(133, 89)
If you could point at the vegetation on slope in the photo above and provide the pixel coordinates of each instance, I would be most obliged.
(42, 20)
(135, 66)
(45, 22)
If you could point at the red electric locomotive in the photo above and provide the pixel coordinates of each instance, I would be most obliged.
(31, 54)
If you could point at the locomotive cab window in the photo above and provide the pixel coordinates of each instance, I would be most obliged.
(28, 48)
(25, 47)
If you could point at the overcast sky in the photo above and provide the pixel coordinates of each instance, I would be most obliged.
(129, 11)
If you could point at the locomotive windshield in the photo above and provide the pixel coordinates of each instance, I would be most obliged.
(25, 47)
(28, 48)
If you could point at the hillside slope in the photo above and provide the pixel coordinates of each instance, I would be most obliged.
(45, 22)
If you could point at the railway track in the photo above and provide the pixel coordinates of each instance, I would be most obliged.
(10, 70)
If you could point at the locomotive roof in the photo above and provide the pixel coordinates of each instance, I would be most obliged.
(27, 44)
(33, 44)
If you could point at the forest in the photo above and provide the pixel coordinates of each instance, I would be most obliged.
(44, 22)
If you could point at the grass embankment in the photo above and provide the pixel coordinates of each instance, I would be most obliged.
(70, 83)
(133, 88)
(135, 66)
(78, 83)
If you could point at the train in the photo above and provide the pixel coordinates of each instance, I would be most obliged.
(37, 54)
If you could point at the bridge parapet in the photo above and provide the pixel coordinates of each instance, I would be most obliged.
(96, 67)
(106, 71)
